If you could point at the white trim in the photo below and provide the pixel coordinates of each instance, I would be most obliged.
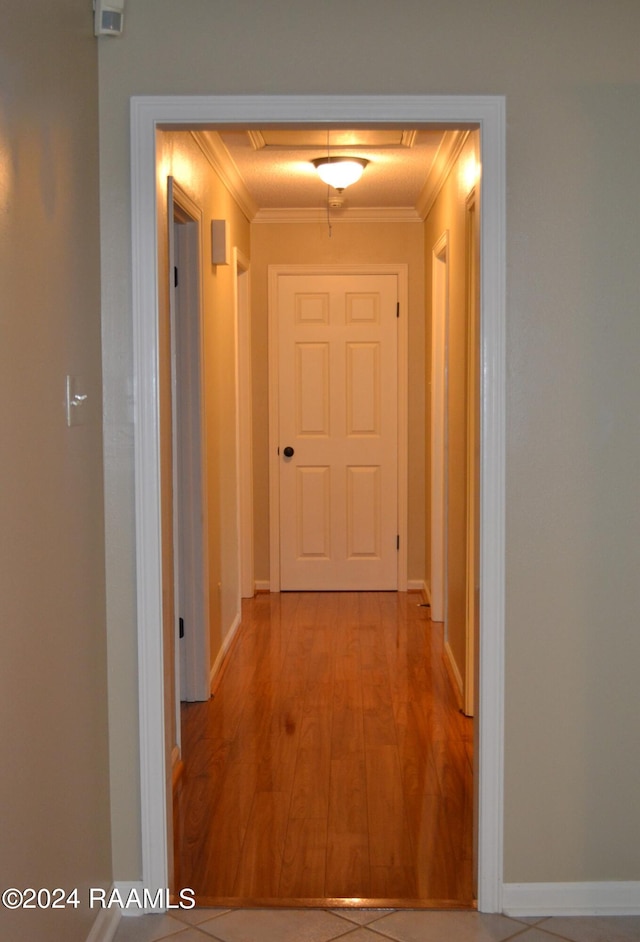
(472, 211)
(439, 414)
(224, 647)
(455, 670)
(417, 585)
(190, 540)
(133, 891)
(153, 795)
(382, 214)
(490, 723)
(106, 925)
(401, 271)
(124, 888)
(217, 153)
(262, 585)
(448, 152)
(488, 113)
(244, 420)
(572, 899)
(274, 471)
(257, 138)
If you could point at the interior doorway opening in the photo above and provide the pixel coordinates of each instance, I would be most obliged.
(488, 113)
(339, 464)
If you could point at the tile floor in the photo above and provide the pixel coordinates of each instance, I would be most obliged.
(353, 925)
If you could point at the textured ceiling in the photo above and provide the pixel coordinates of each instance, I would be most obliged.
(276, 170)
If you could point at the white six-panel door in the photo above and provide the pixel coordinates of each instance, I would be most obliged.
(338, 412)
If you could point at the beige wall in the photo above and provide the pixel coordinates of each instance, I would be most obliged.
(301, 243)
(570, 73)
(54, 786)
(448, 214)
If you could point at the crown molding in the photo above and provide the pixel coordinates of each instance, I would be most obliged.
(408, 138)
(213, 148)
(446, 156)
(216, 152)
(319, 214)
(258, 141)
(256, 138)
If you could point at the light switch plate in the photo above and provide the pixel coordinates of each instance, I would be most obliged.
(77, 407)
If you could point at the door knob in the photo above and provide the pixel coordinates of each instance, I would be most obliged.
(288, 452)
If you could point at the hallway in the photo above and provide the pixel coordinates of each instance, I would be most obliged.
(332, 762)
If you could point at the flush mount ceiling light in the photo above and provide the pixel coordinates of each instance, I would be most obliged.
(339, 172)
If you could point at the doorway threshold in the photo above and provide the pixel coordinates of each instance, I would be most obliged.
(211, 902)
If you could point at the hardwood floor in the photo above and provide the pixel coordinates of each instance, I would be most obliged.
(332, 763)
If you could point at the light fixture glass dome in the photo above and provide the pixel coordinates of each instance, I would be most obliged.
(339, 172)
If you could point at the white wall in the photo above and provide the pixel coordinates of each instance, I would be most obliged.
(54, 786)
(570, 73)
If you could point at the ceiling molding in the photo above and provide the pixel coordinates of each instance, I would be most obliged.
(257, 139)
(319, 214)
(448, 152)
(307, 139)
(408, 138)
(222, 162)
(217, 154)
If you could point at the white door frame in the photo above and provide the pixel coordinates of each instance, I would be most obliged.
(472, 214)
(190, 501)
(244, 423)
(275, 271)
(439, 343)
(485, 112)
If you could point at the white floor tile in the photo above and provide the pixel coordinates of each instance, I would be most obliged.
(368, 925)
(194, 916)
(594, 928)
(193, 934)
(361, 917)
(423, 926)
(276, 925)
(147, 928)
(363, 934)
(536, 935)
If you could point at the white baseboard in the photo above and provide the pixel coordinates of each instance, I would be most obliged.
(262, 585)
(456, 676)
(105, 925)
(224, 647)
(416, 585)
(124, 888)
(571, 899)
(139, 901)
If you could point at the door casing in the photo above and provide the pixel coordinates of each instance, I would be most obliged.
(191, 582)
(439, 340)
(275, 271)
(488, 113)
(244, 422)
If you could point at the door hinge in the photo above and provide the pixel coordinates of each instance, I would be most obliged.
(181, 627)
(397, 309)
(175, 276)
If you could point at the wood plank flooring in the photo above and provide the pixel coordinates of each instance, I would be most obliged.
(332, 763)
